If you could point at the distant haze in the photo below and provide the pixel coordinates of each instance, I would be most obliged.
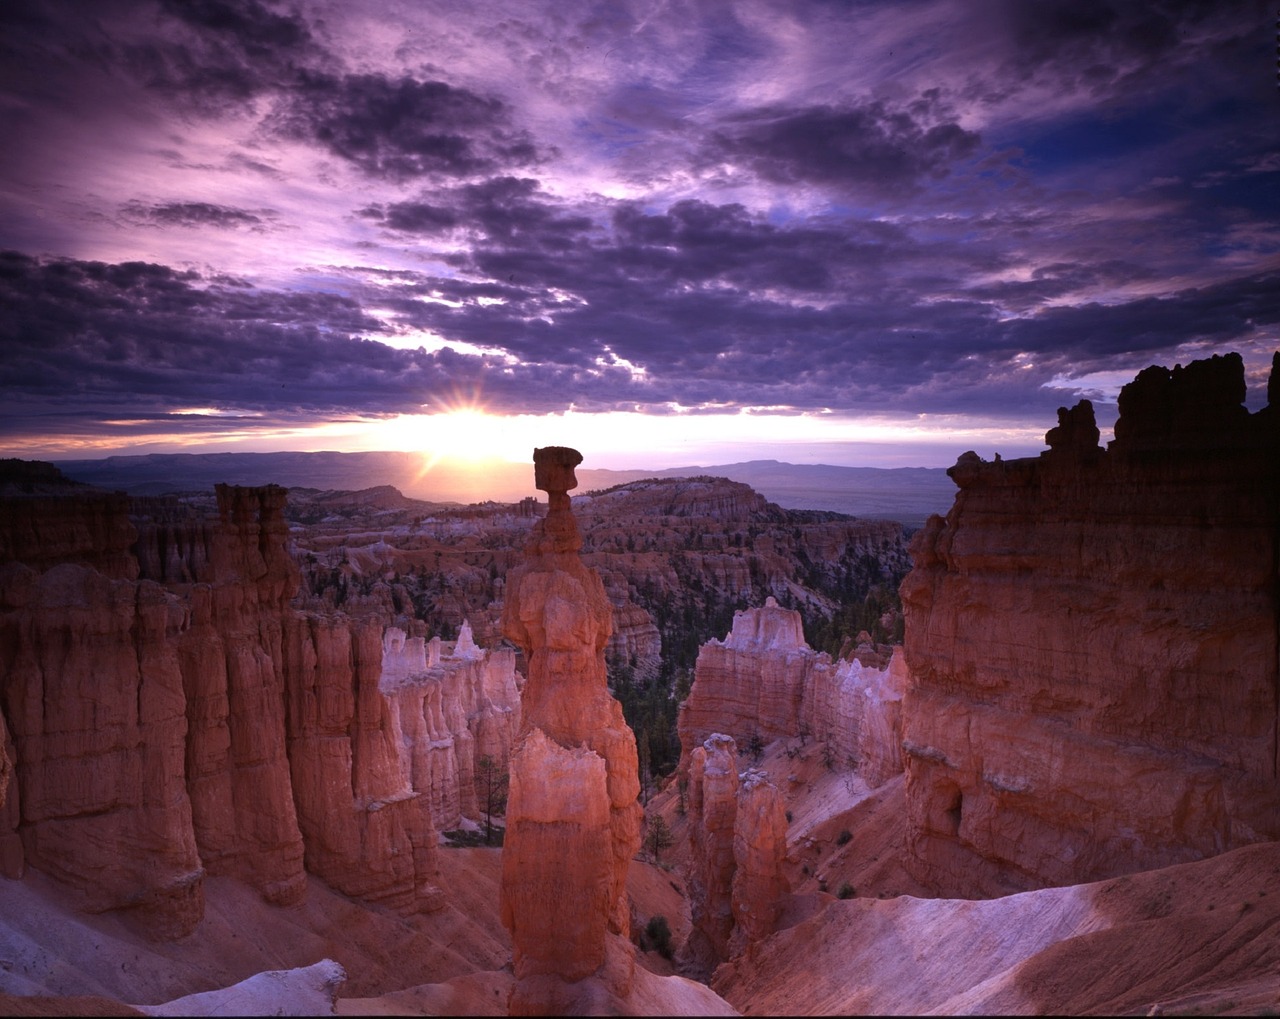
(907, 494)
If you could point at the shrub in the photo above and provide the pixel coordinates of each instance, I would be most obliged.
(843, 838)
(846, 891)
(657, 836)
(657, 934)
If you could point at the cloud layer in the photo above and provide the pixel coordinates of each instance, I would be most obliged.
(282, 214)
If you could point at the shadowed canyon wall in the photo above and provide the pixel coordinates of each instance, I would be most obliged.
(1091, 637)
(171, 714)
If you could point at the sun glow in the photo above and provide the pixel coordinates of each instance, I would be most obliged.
(684, 437)
(462, 434)
(467, 434)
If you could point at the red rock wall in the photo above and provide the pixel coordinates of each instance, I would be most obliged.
(737, 827)
(759, 849)
(161, 731)
(90, 528)
(751, 684)
(457, 711)
(233, 673)
(1092, 644)
(367, 832)
(92, 692)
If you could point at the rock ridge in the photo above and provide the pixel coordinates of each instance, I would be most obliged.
(762, 682)
(1091, 637)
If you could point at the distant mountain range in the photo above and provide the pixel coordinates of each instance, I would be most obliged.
(906, 494)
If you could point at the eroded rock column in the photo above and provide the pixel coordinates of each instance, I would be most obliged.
(573, 817)
(713, 809)
(737, 845)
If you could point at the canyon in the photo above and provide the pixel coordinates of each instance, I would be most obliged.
(248, 716)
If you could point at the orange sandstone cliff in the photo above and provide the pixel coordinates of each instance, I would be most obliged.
(1091, 637)
(171, 715)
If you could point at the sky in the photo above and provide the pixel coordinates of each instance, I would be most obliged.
(665, 233)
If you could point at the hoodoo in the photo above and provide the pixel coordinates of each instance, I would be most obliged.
(573, 817)
(737, 842)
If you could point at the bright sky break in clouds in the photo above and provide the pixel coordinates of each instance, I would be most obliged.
(837, 230)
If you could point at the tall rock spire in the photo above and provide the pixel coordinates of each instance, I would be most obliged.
(573, 817)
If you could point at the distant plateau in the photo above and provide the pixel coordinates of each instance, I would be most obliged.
(906, 494)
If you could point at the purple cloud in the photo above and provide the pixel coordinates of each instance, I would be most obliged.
(290, 213)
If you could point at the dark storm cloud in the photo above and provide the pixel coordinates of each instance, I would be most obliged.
(213, 54)
(1093, 334)
(1096, 45)
(197, 214)
(401, 128)
(138, 340)
(501, 211)
(216, 57)
(718, 304)
(413, 217)
(145, 335)
(250, 27)
(869, 147)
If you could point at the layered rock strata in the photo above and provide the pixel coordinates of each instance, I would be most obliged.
(1092, 643)
(93, 694)
(737, 844)
(759, 885)
(171, 714)
(454, 708)
(712, 810)
(366, 829)
(573, 817)
(230, 651)
(763, 682)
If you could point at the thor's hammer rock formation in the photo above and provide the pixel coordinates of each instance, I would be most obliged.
(573, 817)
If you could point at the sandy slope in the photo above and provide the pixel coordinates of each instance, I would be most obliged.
(1205, 934)
(451, 962)
(47, 948)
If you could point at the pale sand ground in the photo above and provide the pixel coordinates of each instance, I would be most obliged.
(48, 948)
